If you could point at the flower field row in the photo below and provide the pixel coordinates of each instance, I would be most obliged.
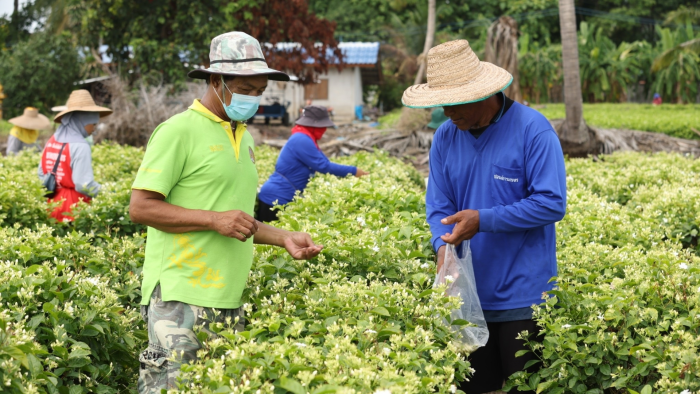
(361, 317)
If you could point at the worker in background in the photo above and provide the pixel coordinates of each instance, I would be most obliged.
(437, 117)
(25, 131)
(300, 158)
(75, 181)
(657, 99)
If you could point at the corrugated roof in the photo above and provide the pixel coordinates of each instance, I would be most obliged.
(354, 52)
(360, 52)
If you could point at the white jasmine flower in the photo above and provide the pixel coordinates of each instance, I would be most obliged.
(361, 220)
(300, 344)
(600, 316)
(368, 331)
(453, 389)
(683, 266)
(376, 248)
(382, 392)
(686, 391)
(449, 279)
(566, 326)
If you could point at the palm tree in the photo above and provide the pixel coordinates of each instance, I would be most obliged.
(576, 138)
(429, 37)
(678, 65)
(502, 50)
(679, 57)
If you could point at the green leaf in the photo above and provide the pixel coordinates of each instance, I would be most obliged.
(17, 354)
(381, 311)
(75, 390)
(646, 390)
(605, 369)
(521, 353)
(31, 269)
(34, 365)
(460, 322)
(326, 389)
(530, 363)
(543, 386)
(290, 384)
(78, 353)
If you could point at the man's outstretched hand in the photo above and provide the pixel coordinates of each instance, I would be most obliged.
(300, 246)
(466, 226)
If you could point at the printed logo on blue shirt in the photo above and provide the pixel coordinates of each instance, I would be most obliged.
(502, 178)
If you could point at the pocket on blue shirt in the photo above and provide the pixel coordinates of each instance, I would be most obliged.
(507, 184)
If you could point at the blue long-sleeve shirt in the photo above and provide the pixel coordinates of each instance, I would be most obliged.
(514, 175)
(297, 162)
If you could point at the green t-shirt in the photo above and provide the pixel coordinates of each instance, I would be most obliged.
(194, 160)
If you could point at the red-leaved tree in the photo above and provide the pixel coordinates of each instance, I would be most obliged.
(280, 21)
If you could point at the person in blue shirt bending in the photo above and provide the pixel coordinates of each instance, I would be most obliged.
(497, 178)
(298, 161)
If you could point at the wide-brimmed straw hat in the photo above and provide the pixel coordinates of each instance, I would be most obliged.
(315, 116)
(81, 100)
(456, 76)
(31, 119)
(237, 54)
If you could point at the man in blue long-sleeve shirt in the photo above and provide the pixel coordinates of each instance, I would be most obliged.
(497, 177)
(300, 158)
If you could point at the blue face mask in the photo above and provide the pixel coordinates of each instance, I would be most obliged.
(242, 106)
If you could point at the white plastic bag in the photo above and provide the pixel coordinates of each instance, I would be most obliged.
(459, 274)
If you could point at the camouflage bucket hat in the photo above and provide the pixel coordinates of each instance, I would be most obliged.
(237, 54)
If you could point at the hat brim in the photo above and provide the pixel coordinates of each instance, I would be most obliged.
(204, 73)
(90, 108)
(493, 79)
(305, 121)
(435, 125)
(41, 122)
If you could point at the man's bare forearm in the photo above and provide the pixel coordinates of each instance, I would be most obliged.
(167, 217)
(149, 208)
(270, 235)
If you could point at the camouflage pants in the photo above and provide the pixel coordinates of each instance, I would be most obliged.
(172, 340)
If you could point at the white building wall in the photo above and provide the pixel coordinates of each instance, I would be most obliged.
(344, 93)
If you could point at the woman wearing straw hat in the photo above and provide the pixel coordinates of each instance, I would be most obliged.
(298, 161)
(497, 178)
(74, 178)
(26, 131)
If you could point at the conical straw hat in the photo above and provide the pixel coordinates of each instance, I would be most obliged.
(456, 76)
(31, 120)
(81, 100)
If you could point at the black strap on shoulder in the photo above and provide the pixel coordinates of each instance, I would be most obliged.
(58, 159)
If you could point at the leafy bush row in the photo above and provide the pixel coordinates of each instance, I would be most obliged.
(361, 317)
(626, 315)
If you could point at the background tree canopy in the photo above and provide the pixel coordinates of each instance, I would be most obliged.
(40, 73)
(158, 41)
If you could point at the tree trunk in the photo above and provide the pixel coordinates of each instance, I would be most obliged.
(16, 7)
(502, 50)
(429, 37)
(576, 138)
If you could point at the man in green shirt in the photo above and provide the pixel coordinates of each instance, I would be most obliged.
(196, 191)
